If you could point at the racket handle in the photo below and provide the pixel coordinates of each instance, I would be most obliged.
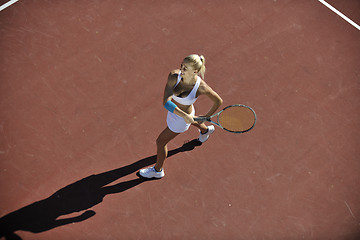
(201, 119)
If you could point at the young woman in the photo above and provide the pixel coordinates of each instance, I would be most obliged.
(183, 87)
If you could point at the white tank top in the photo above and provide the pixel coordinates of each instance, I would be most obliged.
(191, 98)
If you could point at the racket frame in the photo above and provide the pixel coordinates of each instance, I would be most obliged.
(208, 119)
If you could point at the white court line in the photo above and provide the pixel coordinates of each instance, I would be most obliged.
(2, 7)
(340, 14)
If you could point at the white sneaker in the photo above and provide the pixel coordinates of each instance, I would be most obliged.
(151, 173)
(204, 137)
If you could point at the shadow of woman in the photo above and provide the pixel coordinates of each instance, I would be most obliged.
(81, 195)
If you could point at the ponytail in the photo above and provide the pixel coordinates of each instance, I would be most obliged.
(202, 67)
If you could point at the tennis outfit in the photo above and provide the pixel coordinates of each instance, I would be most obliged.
(176, 123)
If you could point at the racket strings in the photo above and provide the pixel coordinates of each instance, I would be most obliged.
(237, 119)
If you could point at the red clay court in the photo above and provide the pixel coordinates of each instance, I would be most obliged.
(81, 86)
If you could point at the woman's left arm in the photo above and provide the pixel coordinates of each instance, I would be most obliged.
(217, 100)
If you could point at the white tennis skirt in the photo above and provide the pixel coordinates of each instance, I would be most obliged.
(176, 123)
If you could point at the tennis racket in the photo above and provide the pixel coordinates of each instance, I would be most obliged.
(235, 118)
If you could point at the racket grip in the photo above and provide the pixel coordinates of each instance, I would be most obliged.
(201, 119)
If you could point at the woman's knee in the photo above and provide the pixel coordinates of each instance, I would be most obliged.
(201, 126)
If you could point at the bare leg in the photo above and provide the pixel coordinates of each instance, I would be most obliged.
(203, 128)
(161, 142)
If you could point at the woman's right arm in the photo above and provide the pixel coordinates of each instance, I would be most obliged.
(172, 79)
(169, 87)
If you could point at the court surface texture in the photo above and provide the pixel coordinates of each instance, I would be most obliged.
(81, 87)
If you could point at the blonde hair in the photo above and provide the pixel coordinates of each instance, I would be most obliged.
(197, 62)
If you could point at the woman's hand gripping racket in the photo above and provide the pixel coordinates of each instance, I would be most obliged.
(235, 118)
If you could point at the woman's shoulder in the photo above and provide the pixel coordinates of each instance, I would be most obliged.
(174, 72)
(172, 78)
(203, 84)
(173, 75)
(203, 87)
